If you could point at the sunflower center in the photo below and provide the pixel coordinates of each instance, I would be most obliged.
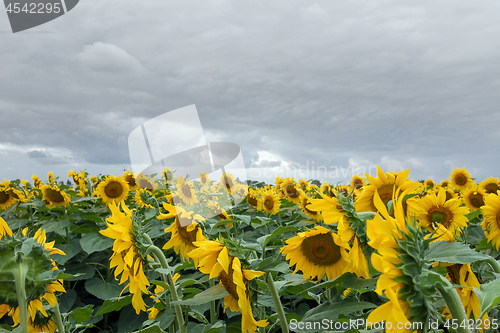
(498, 219)
(440, 216)
(476, 200)
(358, 185)
(321, 250)
(251, 200)
(227, 280)
(144, 183)
(269, 203)
(54, 196)
(291, 191)
(491, 188)
(448, 196)
(188, 236)
(454, 273)
(228, 183)
(186, 190)
(113, 190)
(4, 196)
(461, 180)
(130, 180)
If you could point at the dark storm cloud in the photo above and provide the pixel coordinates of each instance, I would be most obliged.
(402, 84)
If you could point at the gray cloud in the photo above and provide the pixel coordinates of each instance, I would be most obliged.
(402, 84)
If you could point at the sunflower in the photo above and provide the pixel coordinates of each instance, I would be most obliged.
(429, 183)
(6, 198)
(143, 181)
(142, 197)
(460, 179)
(387, 234)
(227, 181)
(290, 191)
(51, 177)
(36, 262)
(253, 198)
(214, 259)
(444, 183)
(217, 210)
(491, 222)
(4, 228)
(357, 182)
(305, 201)
(317, 252)
(463, 275)
(474, 197)
(433, 208)
(270, 202)
(330, 208)
(385, 184)
(184, 230)
(186, 192)
(54, 196)
(325, 188)
(130, 179)
(112, 190)
(204, 180)
(126, 258)
(303, 184)
(490, 185)
(36, 181)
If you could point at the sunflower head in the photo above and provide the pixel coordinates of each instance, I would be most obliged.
(130, 179)
(357, 182)
(460, 179)
(54, 196)
(270, 201)
(145, 182)
(490, 185)
(186, 192)
(204, 180)
(474, 197)
(491, 222)
(304, 202)
(317, 252)
(429, 183)
(113, 190)
(290, 191)
(7, 198)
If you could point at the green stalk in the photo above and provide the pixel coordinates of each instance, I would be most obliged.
(277, 303)
(455, 305)
(213, 315)
(60, 326)
(494, 264)
(20, 280)
(158, 254)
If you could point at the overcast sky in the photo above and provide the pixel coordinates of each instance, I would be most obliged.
(334, 85)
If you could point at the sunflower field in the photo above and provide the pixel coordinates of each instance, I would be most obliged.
(159, 253)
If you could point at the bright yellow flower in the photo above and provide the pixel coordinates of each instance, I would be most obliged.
(491, 222)
(304, 204)
(4, 228)
(317, 252)
(270, 202)
(214, 259)
(330, 208)
(290, 191)
(460, 179)
(434, 208)
(385, 184)
(474, 197)
(186, 192)
(128, 262)
(490, 185)
(113, 190)
(184, 230)
(54, 196)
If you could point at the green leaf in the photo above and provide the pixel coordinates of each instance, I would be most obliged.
(245, 218)
(80, 199)
(151, 329)
(91, 217)
(114, 304)
(71, 249)
(27, 246)
(357, 283)
(82, 314)
(211, 294)
(281, 230)
(453, 253)
(95, 242)
(365, 216)
(55, 225)
(333, 310)
(102, 290)
(488, 296)
(473, 215)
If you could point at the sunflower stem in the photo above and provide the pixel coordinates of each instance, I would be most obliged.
(454, 303)
(158, 254)
(277, 302)
(494, 264)
(60, 325)
(20, 280)
(213, 315)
